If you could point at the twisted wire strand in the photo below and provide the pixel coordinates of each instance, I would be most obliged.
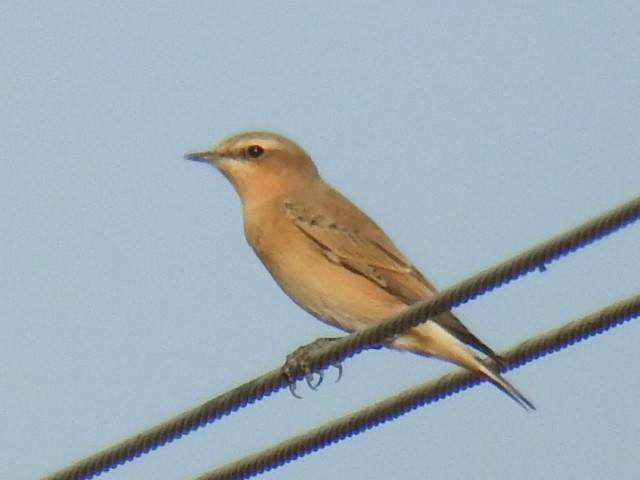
(430, 392)
(536, 257)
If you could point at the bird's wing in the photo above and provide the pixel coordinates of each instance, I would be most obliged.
(346, 236)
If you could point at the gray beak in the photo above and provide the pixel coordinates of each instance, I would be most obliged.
(206, 156)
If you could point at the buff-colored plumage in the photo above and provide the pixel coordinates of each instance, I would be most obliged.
(328, 255)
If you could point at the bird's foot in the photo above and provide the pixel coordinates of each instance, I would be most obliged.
(296, 365)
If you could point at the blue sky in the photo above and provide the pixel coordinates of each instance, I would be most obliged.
(468, 131)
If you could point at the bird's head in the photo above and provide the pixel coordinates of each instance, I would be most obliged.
(260, 165)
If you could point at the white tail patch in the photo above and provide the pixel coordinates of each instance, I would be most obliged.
(433, 340)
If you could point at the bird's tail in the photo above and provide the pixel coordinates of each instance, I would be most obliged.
(502, 383)
(432, 339)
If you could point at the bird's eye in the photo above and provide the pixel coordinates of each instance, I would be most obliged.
(254, 151)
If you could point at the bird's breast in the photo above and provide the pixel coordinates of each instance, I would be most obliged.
(317, 283)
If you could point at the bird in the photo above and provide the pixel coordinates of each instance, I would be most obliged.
(330, 257)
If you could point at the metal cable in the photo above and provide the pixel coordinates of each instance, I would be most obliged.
(536, 257)
(430, 392)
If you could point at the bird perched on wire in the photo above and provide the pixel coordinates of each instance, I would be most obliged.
(329, 256)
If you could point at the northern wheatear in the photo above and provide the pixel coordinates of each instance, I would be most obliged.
(329, 256)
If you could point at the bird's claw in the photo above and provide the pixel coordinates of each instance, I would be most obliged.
(338, 365)
(296, 366)
(292, 389)
(309, 379)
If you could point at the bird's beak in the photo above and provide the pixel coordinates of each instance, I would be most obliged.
(206, 156)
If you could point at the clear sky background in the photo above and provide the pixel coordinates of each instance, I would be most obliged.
(468, 130)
